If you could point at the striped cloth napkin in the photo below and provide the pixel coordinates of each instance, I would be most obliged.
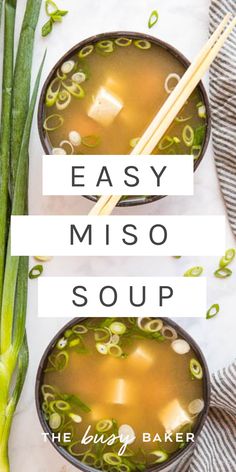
(215, 448)
(223, 105)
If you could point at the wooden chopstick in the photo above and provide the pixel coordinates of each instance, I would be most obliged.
(173, 104)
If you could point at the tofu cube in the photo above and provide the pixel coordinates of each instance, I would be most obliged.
(105, 107)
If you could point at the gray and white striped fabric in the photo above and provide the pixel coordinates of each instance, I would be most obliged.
(223, 104)
(215, 448)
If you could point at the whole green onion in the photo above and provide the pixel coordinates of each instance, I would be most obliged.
(22, 80)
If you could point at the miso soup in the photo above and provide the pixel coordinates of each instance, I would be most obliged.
(117, 380)
(102, 98)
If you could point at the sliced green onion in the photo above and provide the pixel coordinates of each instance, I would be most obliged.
(53, 122)
(104, 425)
(227, 258)
(46, 388)
(223, 273)
(85, 51)
(75, 89)
(194, 272)
(68, 333)
(213, 310)
(196, 406)
(201, 110)
(117, 328)
(74, 138)
(55, 421)
(124, 468)
(79, 329)
(67, 146)
(188, 135)
(35, 272)
(91, 141)
(123, 42)
(154, 325)
(76, 418)
(63, 100)
(196, 369)
(114, 350)
(89, 458)
(106, 46)
(62, 343)
(112, 458)
(79, 77)
(142, 323)
(171, 78)
(181, 119)
(50, 7)
(142, 44)
(61, 360)
(165, 143)
(58, 152)
(67, 67)
(196, 151)
(102, 334)
(71, 449)
(176, 140)
(199, 135)
(53, 92)
(162, 456)
(153, 19)
(180, 346)
(62, 405)
(74, 342)
(169, 333)
(102, 348)
(133, 142)
(60, 75)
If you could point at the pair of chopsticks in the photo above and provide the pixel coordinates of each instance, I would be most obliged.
(173, 104)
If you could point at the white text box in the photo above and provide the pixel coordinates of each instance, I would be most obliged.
(118, 175)
(56, 297)
(118, 235)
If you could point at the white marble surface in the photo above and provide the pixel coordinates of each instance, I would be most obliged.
(184, 23)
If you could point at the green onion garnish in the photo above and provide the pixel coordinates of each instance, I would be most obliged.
(188, 135)
(117, 328)
(106, 46)
(165, 143)
(74, 88)
(104, 425)
(79, 329)
(213, 311)
(61, 360)
(181, 119)
(196, 369)
(85, 51)
(55, 421)
(35, 272)
(114, 350)
(227, 258)
(112, 458)
(53, 92)
(123, 42)
(102, 348)
(162, 456)
(196, 151)
(91, 141)
(63, 100)
(53, 122)
(223, 273)
(153, 19)
(142, 44)
(194, 272)
(55, 16)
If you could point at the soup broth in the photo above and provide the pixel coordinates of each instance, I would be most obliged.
(122, 378)
(102, 98)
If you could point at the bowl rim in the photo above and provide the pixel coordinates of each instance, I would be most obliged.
(132, 35)
(157, 468)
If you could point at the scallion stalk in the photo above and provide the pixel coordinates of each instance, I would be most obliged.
(22, 80)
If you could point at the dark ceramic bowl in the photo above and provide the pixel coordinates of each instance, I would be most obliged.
(129, 201)
(176, 457)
